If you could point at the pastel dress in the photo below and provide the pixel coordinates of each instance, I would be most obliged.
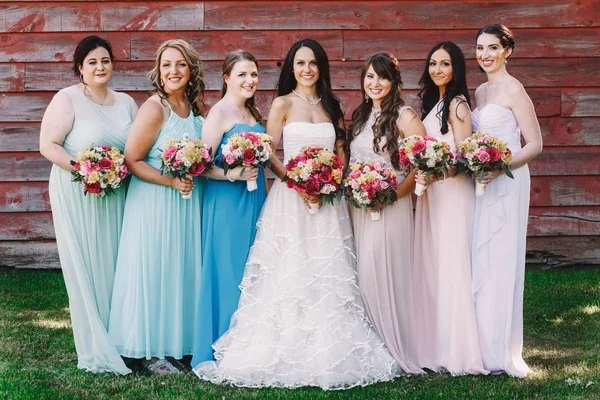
(230, 213)
(154, 304)
(499, 244)
(88, 229)
(443, 232)
(384, 251)
(300, 319)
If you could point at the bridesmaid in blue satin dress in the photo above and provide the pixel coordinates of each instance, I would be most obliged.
(154, 302)
(230, 211)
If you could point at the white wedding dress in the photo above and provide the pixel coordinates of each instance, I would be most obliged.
(300, 319)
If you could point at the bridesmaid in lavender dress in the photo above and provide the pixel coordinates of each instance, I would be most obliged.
(443, 226)
(500, 231)
(384, 248)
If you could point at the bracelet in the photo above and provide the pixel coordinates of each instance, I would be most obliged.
(228, 177)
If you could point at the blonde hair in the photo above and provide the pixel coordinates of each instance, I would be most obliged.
(195, 87)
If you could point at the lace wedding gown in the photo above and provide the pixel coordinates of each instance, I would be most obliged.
(300, 320)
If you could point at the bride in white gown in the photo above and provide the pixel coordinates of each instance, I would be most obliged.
(300, 320)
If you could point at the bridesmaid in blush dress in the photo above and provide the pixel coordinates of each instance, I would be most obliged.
(153, 313)
(230, 211)
(443, 226)
(87, 227)
(384, 248)
(504, 110)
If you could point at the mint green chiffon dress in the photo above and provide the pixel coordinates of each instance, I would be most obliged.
(157, 283)
(88, 229)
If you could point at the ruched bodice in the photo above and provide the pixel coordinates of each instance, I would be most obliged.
(499, 122)
(298, 134)
(433, 126)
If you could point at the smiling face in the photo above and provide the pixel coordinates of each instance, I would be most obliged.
(490, 54)
(97, 67)
(174, 70)
(306, 70)
(375, 86)
(440, 68)
(243, 79)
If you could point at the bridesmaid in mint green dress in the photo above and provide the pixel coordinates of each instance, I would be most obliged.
(158, 268)
(230, 211)
(87, 227)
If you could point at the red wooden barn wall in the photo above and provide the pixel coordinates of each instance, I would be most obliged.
(556, 58)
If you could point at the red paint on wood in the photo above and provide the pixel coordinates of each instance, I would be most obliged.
(26, 226)
(41, 254)
(565, 191)
(567, 161)
(568, 221)
(580, 102)
(24, 196)
(17, 167)
(570, 131)
(19, 136)
(563, 250)
(12, 77)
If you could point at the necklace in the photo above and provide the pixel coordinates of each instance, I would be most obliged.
(92, 96)
(311, 102)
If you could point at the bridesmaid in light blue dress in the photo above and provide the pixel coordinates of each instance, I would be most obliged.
(87, 227)
(230, 211)
(158, 269)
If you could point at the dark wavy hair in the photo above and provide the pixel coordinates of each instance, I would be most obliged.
(194, 91)
(387, 67)
(85, 47)
(430, 93)
(287, 82)
(231, 59)
(501, 32)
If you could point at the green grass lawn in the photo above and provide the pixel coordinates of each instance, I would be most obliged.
(562, 341)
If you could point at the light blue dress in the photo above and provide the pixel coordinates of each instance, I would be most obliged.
(88, 230)
(229, 216)
(154, 304)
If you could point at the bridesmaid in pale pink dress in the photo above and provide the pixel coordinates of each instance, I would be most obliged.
(443, 227)
(504, 110)
(384, 248)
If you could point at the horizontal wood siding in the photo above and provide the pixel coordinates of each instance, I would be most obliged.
(556, 58)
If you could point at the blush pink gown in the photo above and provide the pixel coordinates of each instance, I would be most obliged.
(448, 340)
(384, 251)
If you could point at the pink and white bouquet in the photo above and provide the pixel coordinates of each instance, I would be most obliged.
(371, 186)
(427, 154)
(480, 153)
(315, 171)
(185, 158)
(100, 169)
(247, 149)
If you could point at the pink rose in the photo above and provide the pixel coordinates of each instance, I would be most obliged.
(93, 188)
(196, 169)
(176, 164)
(418, 147)
(105, 163)
(252, 137)
(377, 184)
(76, 166)
(230, 159)
(495, 154)
(106, 148)
(429, 139)
(123, 171)
(403, 158)
(325, 176)
(483, 156)
(312, 186)
(394, 182)
(355, 174)
(170, 152)
(384, 185)
(337, 163)
(248, 156)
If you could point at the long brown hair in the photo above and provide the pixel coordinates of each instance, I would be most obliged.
(195, 87)
(231, 59)
(386, 66)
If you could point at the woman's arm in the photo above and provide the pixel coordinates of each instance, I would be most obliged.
(56, 125)
(275, 123)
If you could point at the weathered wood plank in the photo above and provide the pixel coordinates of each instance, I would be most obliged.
(236, 15)
(42, 254)
(565, 191)
(568, 221)
(562, 251)
(12, 77)
(580, 102)
(26, 226)
(415, 44)
(567, 161)
(44, 17)
(16, 47)
(24, 196)
(215, 45)
(19, 136)
(17, 167)
(563, 131)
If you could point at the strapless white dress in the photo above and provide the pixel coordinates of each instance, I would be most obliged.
(300, 319)
(498, 259)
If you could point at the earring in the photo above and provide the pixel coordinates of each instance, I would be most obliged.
(161, 83)
(190, 83)
(505, 61)
(367, 98)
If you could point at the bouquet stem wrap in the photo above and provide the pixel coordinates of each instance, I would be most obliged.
(420, 189)
(480, 188)
(375, 215)
(251, 185)
(313, 208)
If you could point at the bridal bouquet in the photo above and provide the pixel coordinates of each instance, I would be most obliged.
(100, 169)
(317, 172)
(247, 149)
(185, 158)
(480, 153)
(371, 186)
(427, 154)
